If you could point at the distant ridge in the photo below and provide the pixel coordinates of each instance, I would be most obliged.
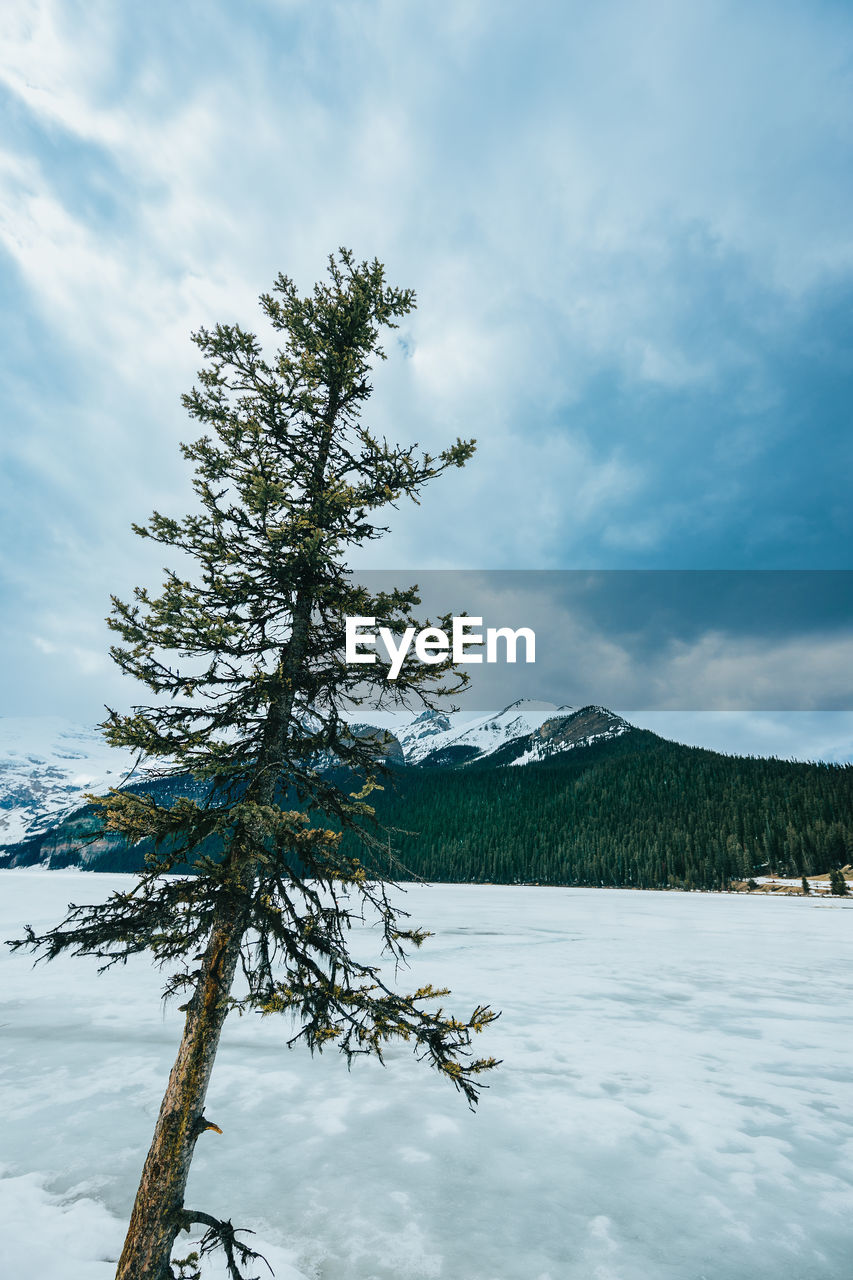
(532, 794)
(47, 764)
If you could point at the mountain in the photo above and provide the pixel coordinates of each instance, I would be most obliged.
(46, 767)
(418, 738)
(434, 738)
(523, 732)
(53, 827)
(535, 793)
(388, 746)
(614, 805)
(565, 731)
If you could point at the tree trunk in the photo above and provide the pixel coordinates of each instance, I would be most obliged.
(157, 1211)
(156, 1218)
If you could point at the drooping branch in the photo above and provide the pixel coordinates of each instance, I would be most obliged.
(222, 1234)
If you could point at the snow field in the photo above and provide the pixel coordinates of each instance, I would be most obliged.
(674, 1101)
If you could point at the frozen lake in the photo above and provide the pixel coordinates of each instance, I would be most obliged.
(674, 1102)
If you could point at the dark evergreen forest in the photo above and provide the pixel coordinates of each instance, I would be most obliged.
(638, 811)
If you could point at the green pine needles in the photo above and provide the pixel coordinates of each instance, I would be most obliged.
(245, 660)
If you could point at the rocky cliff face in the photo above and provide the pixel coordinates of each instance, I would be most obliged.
(567, 732)
(388, 746)
(520, 734)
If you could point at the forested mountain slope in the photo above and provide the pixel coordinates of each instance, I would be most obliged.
(637, 810)
(600, 804)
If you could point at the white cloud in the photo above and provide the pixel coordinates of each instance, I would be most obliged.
(77, 660)
(548, 179)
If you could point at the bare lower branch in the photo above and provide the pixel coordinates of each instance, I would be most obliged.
(221, 1234)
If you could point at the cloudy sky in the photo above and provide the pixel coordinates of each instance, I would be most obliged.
(628, 225)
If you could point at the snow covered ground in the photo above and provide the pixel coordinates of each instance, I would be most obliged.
(674, 1103)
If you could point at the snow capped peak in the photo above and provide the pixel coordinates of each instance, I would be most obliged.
(525, 730)
(47, 764)
(473, 738)
(570, 729)
(418, 738)
(431, 717)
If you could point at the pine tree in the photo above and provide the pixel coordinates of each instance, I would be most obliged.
(838, 883)
(288, 480)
